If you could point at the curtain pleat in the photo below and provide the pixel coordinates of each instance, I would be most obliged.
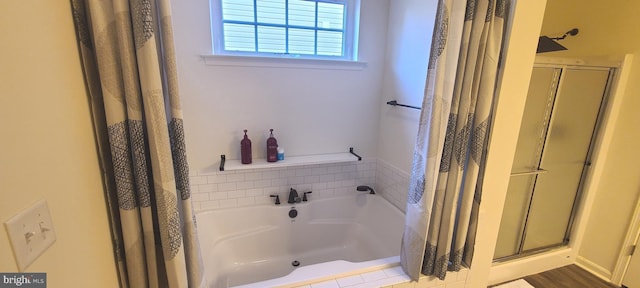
(443, 200)
(130, 69)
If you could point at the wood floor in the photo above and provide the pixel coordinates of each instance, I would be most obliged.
(570, 276)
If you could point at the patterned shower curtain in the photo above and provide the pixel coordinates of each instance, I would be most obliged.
(128, 59)
(444, 194)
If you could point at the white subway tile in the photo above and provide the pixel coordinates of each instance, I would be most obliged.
(236, 194)
(462, 274)
(271, 174)
(333, 184)
(451, 277)
(340, 176)
(311, 179)
(349, 168)
(303, 172)
(395, 271)
(350, 281)
(245, 185)
(194, 188)
(255, 192)
(334, 169)
(218, 195)
(342, 191)
(253, 176)
(228, 203)
(197, 197)
(279, 182)
(362, 174)
(319, 171)
(428, 282)
(319, 185)
(262, 183)
(364, 167)
(273, 190)
(326, 284)
(460, 284)
(303, 188)
(392, 280)
(196, 206)
(295, 180)
(373, 276)
(327, 178)
(348, 183)
(215, 179)
(197, 180)
(208, 188)
(287, 173)
(227, 186)
(236, 177)
(405, 285)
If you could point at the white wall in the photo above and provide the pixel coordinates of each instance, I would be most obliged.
(313, 111)
(48, 149)
(407, 56)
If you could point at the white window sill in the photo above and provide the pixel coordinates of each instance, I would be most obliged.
(274, 62)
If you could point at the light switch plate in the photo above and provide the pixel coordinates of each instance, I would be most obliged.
(31, 233)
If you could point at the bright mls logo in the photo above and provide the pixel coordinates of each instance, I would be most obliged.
(23, 280)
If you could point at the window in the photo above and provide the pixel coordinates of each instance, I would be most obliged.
(317, 29)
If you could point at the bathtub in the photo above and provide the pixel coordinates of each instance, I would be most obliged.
(261, 246)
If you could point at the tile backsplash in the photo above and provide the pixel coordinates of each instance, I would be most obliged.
(393, 184)
(225, 189)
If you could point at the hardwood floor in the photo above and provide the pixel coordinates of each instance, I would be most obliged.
(570, 276)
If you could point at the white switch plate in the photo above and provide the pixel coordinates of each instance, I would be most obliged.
(31, 233)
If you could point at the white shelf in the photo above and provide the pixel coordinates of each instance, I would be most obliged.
(290, 161)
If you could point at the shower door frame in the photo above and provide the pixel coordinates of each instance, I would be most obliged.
(603, 111)
(504, 271)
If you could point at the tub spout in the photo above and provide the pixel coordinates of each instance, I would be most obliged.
(366, 188)
(293, 196)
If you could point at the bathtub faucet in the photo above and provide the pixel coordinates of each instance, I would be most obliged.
(293, 196)
(366, 188)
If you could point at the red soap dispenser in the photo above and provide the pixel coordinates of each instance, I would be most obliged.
(245, 149)
(272, 148)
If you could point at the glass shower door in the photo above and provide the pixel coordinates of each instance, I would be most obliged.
(535, 120)
(552, 153)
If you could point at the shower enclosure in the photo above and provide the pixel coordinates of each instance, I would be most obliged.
(553, 153)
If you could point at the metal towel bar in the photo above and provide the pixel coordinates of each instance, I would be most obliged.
(535, 172)
(395, 103)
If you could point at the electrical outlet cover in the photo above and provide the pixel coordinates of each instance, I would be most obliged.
(31, 233)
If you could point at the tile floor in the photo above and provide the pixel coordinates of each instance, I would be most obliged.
(392, 278)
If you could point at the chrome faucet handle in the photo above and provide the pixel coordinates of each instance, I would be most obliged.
(277, 198)
(304, 196)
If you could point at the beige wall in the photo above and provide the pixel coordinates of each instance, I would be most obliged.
(607, 29)
(47, 149)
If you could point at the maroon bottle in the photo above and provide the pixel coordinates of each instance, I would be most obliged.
(245, 149)
(272, 148)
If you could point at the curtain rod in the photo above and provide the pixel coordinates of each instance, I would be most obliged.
(395, 103)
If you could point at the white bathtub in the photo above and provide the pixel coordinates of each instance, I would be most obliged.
(256, 246)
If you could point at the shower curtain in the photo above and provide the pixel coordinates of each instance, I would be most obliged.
(128, 59)
(444, 193)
